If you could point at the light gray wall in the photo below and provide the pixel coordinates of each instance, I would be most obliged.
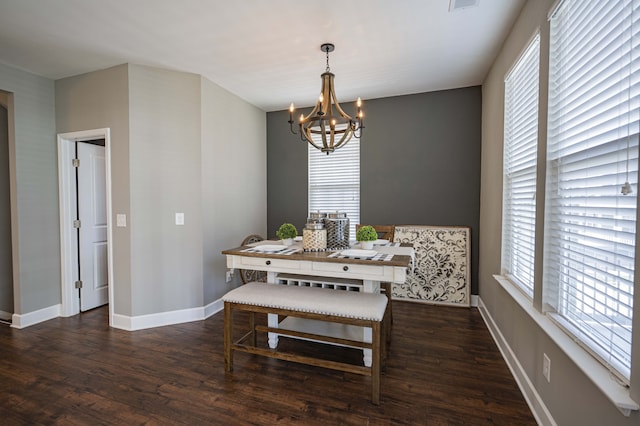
(571, 397)
(6, 267)
(419, 164)
(101, 100)
(234, 185)
(179, 144)
(166, 259)
(36, 243)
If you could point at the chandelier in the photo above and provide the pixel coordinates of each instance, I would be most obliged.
(328, 127)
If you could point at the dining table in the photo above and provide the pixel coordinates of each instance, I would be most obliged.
(349, 269)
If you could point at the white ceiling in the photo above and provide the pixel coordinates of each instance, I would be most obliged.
(265, 51)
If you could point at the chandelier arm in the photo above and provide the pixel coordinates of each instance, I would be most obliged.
(346, 137)
(305, 135)
(339, 108)
(323, 133)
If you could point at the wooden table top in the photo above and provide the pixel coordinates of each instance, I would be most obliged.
(322, 256)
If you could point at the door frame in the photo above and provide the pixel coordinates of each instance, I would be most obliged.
(68, 240)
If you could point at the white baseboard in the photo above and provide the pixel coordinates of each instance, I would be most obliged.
(536, 404)
(141, 322)
(474, 300)
(31, 318)
(213, 308)
(123, 322)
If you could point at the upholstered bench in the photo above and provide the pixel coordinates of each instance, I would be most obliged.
(351, 308)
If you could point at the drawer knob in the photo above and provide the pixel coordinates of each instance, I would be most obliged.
(268, 262)
(345, 268)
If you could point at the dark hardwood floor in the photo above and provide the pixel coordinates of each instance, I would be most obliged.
(443, 369)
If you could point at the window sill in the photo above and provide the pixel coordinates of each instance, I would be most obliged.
(591, 368)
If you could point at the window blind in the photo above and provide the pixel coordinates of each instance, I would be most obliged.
(520, 157)
(592, 151)
(334, 181)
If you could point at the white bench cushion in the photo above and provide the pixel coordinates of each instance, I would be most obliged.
(366, 306)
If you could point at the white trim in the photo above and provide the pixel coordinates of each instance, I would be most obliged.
(68, 272)
(67, 203)
(594, 370)
(161, 319)
(474, 300)
(31, 318)
(535, 402)
(125, 322)
(213, 308)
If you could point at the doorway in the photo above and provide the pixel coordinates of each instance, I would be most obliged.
(85, 225)
(6, 253)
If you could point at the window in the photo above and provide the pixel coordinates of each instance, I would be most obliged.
(592, 150)
(334, 181)
(520, 156)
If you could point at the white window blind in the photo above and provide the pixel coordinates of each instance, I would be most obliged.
(334, 182)
(520, 157)
(592, 151)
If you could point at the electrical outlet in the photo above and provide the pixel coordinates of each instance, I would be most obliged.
(228, 276)
(546, 367)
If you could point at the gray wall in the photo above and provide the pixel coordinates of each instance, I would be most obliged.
(93, 101)
(164, 147)
(234, 185)
(35, 234)
(180, 144)
(571, 397)
(419, 164)
(6, 267)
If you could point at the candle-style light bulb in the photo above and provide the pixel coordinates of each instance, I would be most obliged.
(358, 102)
(301, 118)
(291, 114)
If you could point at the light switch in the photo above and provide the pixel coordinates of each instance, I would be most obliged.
(121, 220)
(179, 218)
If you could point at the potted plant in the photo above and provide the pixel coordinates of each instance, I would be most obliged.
(287, 232)
(366, 235)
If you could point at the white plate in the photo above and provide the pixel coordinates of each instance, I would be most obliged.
(269, 248)
(380, 242)
(363, 254)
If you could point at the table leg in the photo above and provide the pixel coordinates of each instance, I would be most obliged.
(366, 353)
(272, 319)
(369, 286)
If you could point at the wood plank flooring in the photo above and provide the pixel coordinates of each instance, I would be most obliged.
(443, 369)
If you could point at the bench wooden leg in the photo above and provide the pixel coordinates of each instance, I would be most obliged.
(228, 336)
(375, 363)
(252, 327)
(387, 287)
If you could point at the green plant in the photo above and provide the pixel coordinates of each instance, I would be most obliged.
(287, 230)
(366, 233)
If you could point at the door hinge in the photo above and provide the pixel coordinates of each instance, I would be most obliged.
(79, 284)
(77, 224)
(75, 162)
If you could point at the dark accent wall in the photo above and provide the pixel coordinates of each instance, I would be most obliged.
(419, 164)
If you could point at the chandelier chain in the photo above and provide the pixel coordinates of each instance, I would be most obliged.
(327, 52)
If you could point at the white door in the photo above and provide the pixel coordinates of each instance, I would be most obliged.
(92, 213)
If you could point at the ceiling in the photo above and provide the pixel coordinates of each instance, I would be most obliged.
(265, 51)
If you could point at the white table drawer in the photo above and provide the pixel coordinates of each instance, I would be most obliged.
(274, 264)
(343, 269)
